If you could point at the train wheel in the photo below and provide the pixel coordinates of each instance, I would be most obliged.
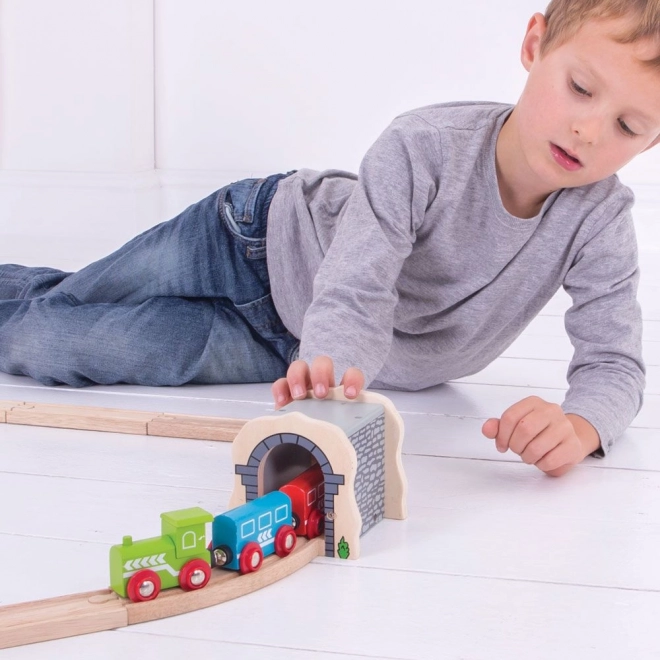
(314, 524)
(295, 521)
(251, 558)
(194, 575)
(221, 556)
(143, 585)
(285, 540)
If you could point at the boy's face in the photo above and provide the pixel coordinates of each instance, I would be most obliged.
(590, 98)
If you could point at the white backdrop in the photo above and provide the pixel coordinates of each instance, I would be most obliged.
(115, 114)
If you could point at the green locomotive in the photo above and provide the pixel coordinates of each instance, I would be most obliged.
(177, 558)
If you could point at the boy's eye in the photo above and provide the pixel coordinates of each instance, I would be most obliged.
(578, 89)
(626, 129)
(583, 92)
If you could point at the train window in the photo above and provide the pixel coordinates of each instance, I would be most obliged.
(247, 528)
(265, 520)
(188, 540)
(311, 497)
(282, 513)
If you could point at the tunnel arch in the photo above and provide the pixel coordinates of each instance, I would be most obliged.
(249, 474)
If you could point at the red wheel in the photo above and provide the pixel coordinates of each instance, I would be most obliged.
(251, 558)
(314, 524)
(194, 575)
(143, 585)
(285, 540)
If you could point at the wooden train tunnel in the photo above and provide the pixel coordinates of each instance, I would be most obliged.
(357, 445)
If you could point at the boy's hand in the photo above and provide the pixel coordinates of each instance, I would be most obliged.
(320, 378)
(542, 435)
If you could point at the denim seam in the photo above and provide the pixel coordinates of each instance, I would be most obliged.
(255, 252)
(252, 245)
(252, 200)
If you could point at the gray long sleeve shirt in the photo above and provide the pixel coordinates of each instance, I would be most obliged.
(414, 271)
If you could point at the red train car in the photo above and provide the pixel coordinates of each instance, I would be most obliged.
(306, 493)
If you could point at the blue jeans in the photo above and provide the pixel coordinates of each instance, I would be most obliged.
(187, 301)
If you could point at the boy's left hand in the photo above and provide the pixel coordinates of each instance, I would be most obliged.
(542, 435)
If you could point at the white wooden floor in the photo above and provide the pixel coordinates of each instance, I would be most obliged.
(496, 560)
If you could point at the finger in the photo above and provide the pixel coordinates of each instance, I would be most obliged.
(281, 393)
(322, 375)
(510, 418)
(353, 382)
(555, 463)
(530, 427)
(559, 472)
(298, 379)
(540, 446)
(490, 427)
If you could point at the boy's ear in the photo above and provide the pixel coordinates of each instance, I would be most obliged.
(532, 42)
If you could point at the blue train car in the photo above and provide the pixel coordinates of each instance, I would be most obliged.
(245, 535)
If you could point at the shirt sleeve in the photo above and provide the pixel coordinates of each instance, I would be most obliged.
(606, 375)
(354, 294)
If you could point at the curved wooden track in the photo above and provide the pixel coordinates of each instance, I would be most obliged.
(94, 611)
(78, 614)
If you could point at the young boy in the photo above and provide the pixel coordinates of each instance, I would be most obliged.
(464, 221)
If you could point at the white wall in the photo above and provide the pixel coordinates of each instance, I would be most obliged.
(114, 114)
(76, 126)
(297, 82)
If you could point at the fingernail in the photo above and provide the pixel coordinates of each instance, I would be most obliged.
(280, 398)
(350, 391)
(319, 390)
(298, 391)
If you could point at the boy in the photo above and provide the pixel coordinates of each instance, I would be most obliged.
(464, 221)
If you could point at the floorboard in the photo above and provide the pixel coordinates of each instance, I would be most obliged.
(496, 560)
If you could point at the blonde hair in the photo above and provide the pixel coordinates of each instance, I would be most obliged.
(565, 17)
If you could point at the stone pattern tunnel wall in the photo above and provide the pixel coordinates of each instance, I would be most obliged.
(369, 444)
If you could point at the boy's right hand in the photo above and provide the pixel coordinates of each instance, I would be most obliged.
(320, 377)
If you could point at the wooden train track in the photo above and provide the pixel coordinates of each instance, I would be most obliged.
(95, 611)
(77, 614)
(115, 420)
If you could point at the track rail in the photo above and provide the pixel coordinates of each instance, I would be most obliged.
(94, 611)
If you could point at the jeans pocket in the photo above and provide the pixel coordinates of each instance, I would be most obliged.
(243, 218)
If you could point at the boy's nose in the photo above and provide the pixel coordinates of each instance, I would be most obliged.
(588, 129)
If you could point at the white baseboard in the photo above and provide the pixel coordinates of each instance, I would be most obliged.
(37, 204)
(67, 219)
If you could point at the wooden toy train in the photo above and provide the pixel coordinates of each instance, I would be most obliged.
(240, 539)
(327, 469)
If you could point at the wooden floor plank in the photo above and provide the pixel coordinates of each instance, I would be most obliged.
(495, 561)
(130, 644)
(89, 612)
(464, 517)
(433, 617)
(66, 616)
